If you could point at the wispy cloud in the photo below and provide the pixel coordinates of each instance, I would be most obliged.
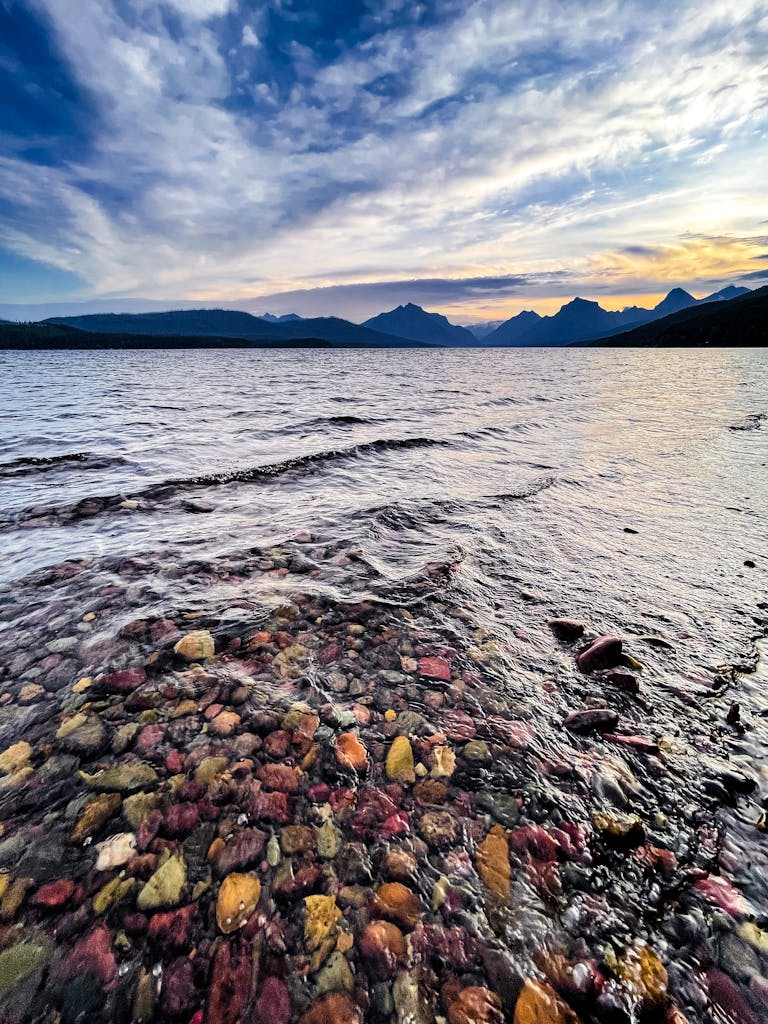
(224, 151)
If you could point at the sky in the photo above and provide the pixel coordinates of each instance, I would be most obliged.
(476, 157)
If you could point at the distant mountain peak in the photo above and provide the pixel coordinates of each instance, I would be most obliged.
(412, 322)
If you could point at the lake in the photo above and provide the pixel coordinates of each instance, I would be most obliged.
(375, 544)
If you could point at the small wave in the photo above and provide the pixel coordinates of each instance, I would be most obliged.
(29, 464)
(752, 422)
(528, 491)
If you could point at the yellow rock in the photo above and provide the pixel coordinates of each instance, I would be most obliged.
(390, 715)
(643, 972)
(443, 763)
(164, 888)
(238, 898)
(755, 937)
(538, 1003)
(15, 758)
(400, 767)
(70, 724)
(89, 616)
(82, 684)
(196, 646)
(492, 859)
(5, 881)
(320, 928)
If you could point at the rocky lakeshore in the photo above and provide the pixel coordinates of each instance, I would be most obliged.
(311, 810)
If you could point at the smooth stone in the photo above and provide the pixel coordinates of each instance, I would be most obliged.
(273, 1005)
(320, 927)
(115, 851)
(18, 962)
(492, 859)
(196, 646)
(335, 975)
(15, 758)
(383, 949)
(476, 1005)
(400, 763)
(95, 814)
(124, 778)
(165, 886)
(476, 752)
(592, 720)
(336, 1008)
(435, 668)
(439, 828)
(238, 898)
(397, 903)
(604, 652)
(538, 1003)
(350, 752)
(241, 851)
(566, 629)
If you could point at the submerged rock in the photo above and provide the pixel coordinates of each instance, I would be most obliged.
(238, 898)
(196, 646)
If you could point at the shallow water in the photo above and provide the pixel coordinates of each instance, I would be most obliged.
(444, 504)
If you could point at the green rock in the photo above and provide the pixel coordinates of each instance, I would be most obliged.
(477, 752)
(335, 975)
(328, 840)
(138, 806)
(209, 768)
(122, 778)
(18, 962)
(164, 888)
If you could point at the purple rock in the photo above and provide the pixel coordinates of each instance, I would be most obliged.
(566, 629)
(592, 720)
(604, 652)
(274, 1003)
(177, 996)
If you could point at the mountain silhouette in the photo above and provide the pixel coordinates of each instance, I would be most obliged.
(413, 322)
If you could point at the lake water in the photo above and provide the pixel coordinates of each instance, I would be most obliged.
(351, 527)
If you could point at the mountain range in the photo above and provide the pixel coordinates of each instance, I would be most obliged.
(579, 321)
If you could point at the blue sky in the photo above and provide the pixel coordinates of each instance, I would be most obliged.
(475, 157)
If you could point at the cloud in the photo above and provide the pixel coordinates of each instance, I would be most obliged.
(292, 146)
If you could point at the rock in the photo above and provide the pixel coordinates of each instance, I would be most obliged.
(15, 758)
(620, 829)
(336, 1008)
(538, 1003)
(297, 839)
(645, 975)
(328, 840)
(435, 668)
(125, 681)
(400, 764)
(177, 994)
(279, 777)
(492, 859)
(243, 850)
(439, 828)
(458, 726)
(443, 763)
(54, 895)
(84, 735)
(320, 927)
(123, 778)
(566, 630)
(592, 720)
(397, 903)
(95, 814)
(172, 928)
(230, 985)
(604, 652)
(273, 1005)
(210, 768)
(415, 997)
(383, 949)
(165, 886)
(475, 1005)
(350, 752)
(196, 646)
(430, 791)
(92, 955)
(115, 851)
(17, 962)
(335, 975)
(225, 723)
(238, 897)
(476, 752)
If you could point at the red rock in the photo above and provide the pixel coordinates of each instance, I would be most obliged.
(241, 851)
(279, 777)
(382, 946)
(458, 726)
(212, 710)
(727, 998)
(148, 740)
(721, 891)
(475, 1005)
(172, 928)
(273, 1005)
(270, 807)
(435, 668)
(148, 829)
(336, 1008)
(454, 945)
(180, 820)
(91, 955)
(320, 793)
(277, 744)
(518, 735)
(135, 925)
(177, 994)
(604, 652)
(230, 985)
(54, 895)
(174, 763)
(125, 681)
(533, 840)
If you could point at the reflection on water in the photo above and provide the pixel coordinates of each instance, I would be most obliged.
(391, 793)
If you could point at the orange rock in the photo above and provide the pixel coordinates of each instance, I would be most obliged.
(397, 903)
(383, 948)
(350, 752)
(492, 860)
(430, 791)
(238, 898)
(538, 1003)
(337, 1008)
(646, 975)
(476, 1005)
